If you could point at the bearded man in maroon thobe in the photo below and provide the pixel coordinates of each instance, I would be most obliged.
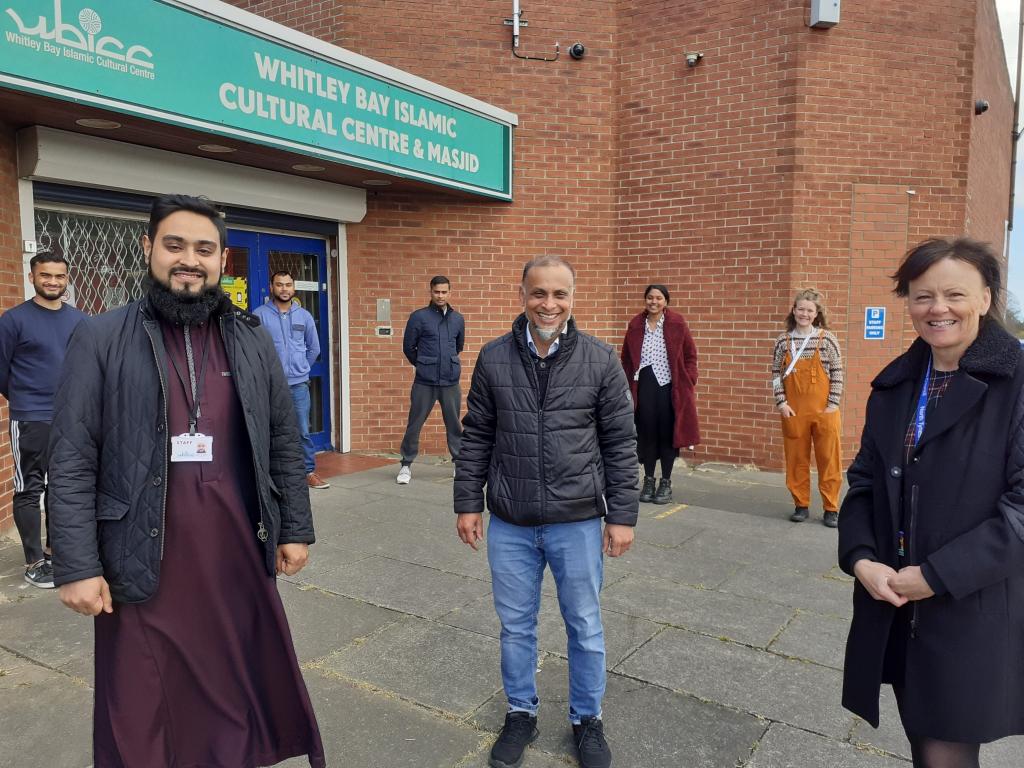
(177, 493)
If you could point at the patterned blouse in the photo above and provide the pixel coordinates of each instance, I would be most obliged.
(653, 352)
(938, 382)
(831, 360)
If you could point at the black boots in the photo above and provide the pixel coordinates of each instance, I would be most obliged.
(664, 494)
(799, 514)
(647, 493)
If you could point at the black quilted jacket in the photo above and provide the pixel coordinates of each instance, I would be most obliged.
(109, 448)
(573, 460)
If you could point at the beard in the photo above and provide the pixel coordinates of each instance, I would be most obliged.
(546, 335)
(49, 295)
(183, 307)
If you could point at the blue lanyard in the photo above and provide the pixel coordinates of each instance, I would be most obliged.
(922, 405)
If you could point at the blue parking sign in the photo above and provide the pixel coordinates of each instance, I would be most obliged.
(874, 322)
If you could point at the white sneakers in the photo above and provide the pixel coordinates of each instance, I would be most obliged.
(404, 476)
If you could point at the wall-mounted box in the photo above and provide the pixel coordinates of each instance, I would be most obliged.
(824, 13)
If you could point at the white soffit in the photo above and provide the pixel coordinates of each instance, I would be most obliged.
(47, 154)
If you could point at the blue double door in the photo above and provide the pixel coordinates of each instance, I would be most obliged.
(252, 258)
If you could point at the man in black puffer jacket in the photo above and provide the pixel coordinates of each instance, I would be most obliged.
(177, 491)
(550, 434)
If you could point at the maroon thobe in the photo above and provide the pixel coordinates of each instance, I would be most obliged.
(204, 674)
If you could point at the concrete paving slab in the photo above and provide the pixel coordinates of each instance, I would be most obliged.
(666, 526)
(438, 666)
(622, 634)
(748, 680)
(42, 629)
(739, 546)
(322, 622)
(46, 716)
(646, 726)
(364, 729)
(324, 556)
(800, 590)
(786, 747)
(694, 566)
(754, 622)
(405, 587)
(814, 637)
(411, 543)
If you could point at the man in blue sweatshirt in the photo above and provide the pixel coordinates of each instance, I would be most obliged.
(33, 338)
(294, 333)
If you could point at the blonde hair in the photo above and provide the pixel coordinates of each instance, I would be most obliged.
(809, 294)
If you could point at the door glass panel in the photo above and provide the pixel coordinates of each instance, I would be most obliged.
(235, 279)
(305, 269)
(106, 265)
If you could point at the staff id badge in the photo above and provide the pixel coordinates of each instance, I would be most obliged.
(189, 447)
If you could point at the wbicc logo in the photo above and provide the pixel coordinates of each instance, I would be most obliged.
(82, 42)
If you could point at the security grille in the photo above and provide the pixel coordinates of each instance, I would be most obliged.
(104, 255)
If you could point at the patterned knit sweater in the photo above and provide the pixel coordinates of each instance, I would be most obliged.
(831, 359)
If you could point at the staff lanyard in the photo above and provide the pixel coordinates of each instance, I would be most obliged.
(197, 388)
(922, 406)
(796, 354)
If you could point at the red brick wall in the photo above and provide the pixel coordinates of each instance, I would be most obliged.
(11, 293)
(886, 98)
(988, 183)
(706, 184)
(564, 186)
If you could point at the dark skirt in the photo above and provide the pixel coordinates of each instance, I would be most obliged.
(655, 418)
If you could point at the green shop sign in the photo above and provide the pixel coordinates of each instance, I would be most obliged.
(164, 62)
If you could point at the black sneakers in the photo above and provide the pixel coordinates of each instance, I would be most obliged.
(40, 574)
(520, 729)
(591, 746)
(799, 514)
(831, 519)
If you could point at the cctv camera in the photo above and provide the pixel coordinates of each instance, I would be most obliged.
(980, 107)
(693, 58)
(577, 50)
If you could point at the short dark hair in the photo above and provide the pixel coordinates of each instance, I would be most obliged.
(280, 272)
(979, 255)
(658, 287)
(46, 258)
(440, 280)
(165, 205)
(549, 261)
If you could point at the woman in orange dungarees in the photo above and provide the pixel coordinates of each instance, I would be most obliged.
(807, 377)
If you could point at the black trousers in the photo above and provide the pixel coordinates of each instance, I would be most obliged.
(655, 423)
(421, 403)
(30, 447)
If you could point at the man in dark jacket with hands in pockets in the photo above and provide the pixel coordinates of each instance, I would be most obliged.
(549, 432)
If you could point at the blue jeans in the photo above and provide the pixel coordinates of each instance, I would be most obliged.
(300, 396)
(517, 556)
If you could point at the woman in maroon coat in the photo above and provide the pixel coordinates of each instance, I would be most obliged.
(660, 360)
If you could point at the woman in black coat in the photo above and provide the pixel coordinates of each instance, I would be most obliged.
(933, 524)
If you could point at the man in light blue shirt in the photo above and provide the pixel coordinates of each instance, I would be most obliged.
(294, 333)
